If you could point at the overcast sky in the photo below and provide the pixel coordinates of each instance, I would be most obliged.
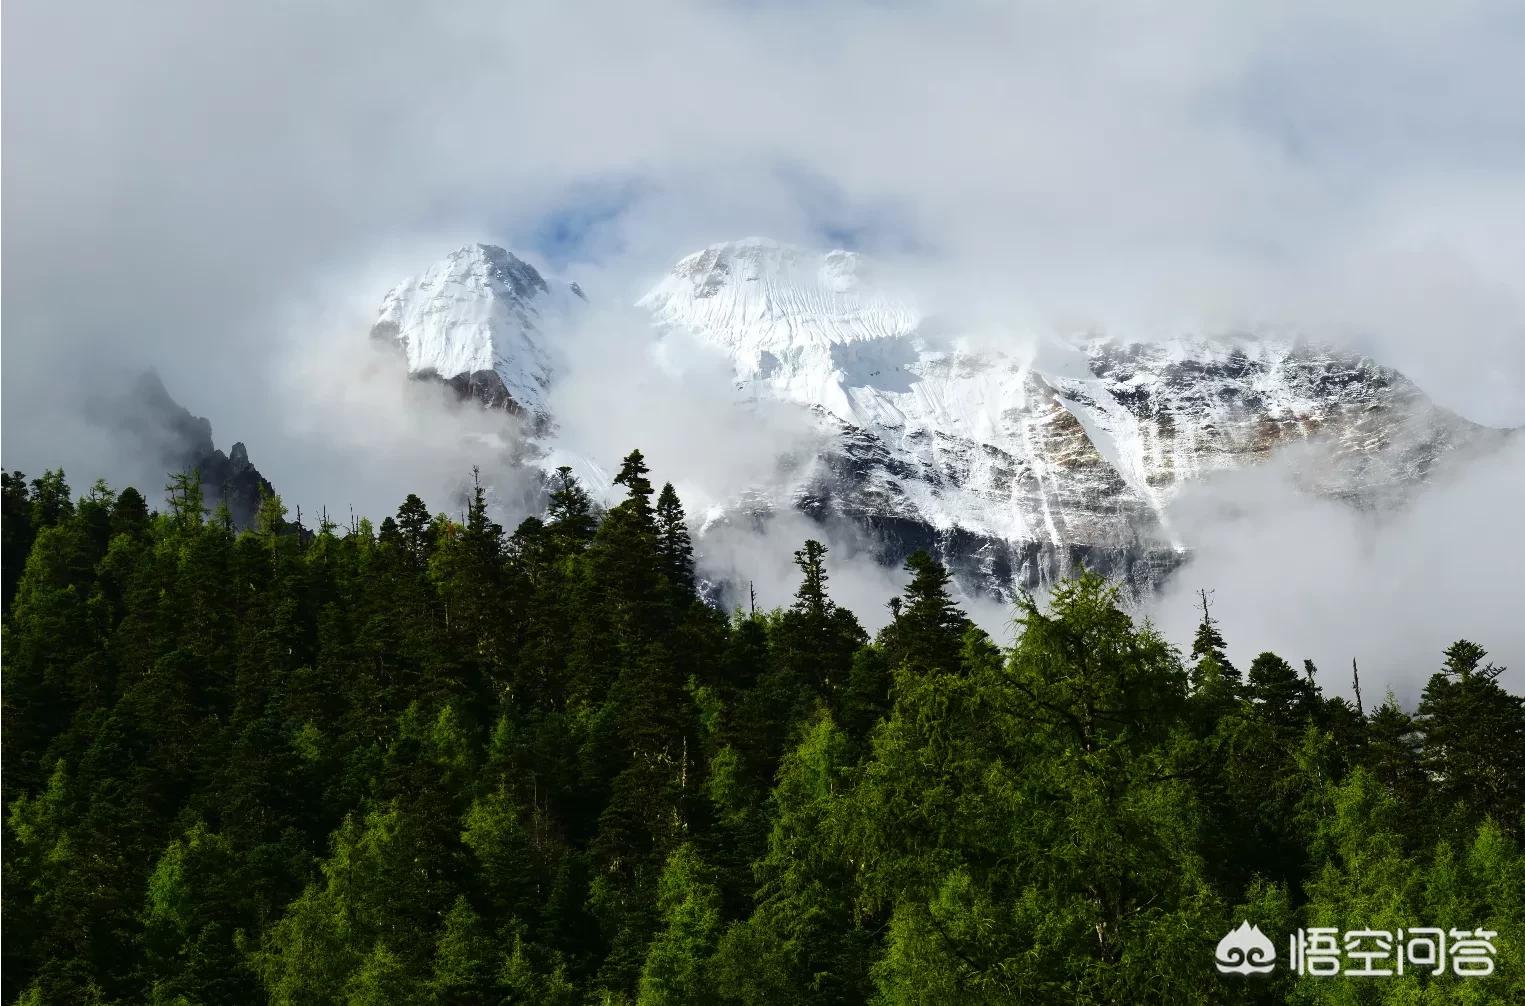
(225, 191)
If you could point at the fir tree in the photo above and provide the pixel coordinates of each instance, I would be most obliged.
(673, 541)
(927, 626)
(1282, 696)
(1209, 652)
(416, 526)
(570, 511)
(1473, 741)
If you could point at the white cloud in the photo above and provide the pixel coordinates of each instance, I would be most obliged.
(1311, 578)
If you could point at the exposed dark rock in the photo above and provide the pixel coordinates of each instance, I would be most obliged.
(165, 432)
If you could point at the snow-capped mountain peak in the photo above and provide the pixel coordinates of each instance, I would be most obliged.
(478, 318)
(1015, 457)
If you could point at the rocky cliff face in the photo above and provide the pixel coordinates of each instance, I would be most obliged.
(1015, 459)
(161, 428)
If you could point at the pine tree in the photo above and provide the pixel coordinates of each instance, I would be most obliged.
(463, 958)
(52, 503)
(432, 765)
(129, 515)
(1280, 695)
(803, 941)
(814, 639)
(626, 562)
(1474, 741)
(811, 600)
(416, 526)
(16, 531)
(1209, 652)
(270, 518)
(570, 512)
(927, 626)
(1026, 827)
(1391, 754)
(673, 541)
(632, 476)
(678, 960)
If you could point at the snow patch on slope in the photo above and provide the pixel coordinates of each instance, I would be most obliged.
(479, 310)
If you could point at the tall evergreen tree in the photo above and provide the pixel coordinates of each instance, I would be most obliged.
(16, 531)
(1209, 652)
(1282, 697)
(673, 541)
(187, 505)
(815, 639)
(570, 511)
(415, 524)
(927, 626)
(1474, 741)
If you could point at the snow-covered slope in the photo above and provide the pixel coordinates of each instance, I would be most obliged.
(1015, 458)
(479, 319)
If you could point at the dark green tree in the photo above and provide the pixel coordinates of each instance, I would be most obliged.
(927, 626)
(1473, 741)
(673, 541)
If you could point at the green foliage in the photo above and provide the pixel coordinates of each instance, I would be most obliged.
(677, 961)
(436, 763)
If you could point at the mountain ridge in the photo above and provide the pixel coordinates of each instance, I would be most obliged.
(1015, 458)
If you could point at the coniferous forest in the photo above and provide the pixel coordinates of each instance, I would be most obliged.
(432, 761)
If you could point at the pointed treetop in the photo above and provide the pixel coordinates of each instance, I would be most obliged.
(478, 526)
(673, 540)
(416, 526)
(928, 628)
(811, 598)
(570, 511)
(1463, 658)
(926, 595)
(1209, 644)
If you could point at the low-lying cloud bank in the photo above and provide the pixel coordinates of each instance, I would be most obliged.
(1313, 578)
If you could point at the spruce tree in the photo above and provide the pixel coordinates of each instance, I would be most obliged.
(927, 626)
(415, 524)
(673, 542)
(570, 513)
(1209, 652)
(1280, 695)
(1473, 741)
(815, 639)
